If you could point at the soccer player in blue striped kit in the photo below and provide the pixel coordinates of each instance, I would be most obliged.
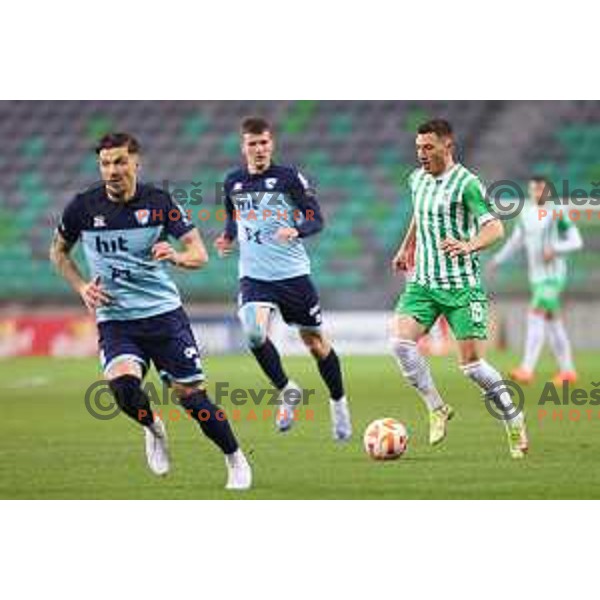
(124, 226)
(270, 209)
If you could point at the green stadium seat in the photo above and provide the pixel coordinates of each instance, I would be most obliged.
(194, 127)
(30, 182)
(98, 126)
(34, 148)
(388, 157)
(299, 117)
(360, 173)
(315, 161)
(230, 147)
(380, 212)
(89, 165)
(414, 118)
(350, 247)
(341, 125)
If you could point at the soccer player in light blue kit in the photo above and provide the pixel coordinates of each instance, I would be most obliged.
(270, 208)
(124, 226)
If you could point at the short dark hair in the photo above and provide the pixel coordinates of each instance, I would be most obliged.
(539, 179)
(255, 125)
(117, 140)
(440, 127)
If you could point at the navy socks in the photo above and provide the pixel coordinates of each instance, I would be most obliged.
(331, 372)
(270, 362)
(211, 419)
(132, 400)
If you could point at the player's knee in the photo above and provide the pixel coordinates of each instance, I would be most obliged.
(405, 350)
(186, 390)
(124, 388)
(470, 352)
(396, 329)
(318, 346)
(255, 336)
(469, 356)
(195, 401)
(404, 328)
(123, 368)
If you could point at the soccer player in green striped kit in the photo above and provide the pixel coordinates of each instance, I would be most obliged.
(451, 224)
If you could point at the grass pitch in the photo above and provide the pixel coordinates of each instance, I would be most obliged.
(50, 446)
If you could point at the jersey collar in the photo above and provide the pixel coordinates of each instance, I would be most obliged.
(136, 195)
(259, 175)
(442, 178)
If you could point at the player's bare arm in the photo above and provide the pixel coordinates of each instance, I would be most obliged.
(286, 234)
(401, 260)
(193, 255)
(91, 292)
(224, 245)
(513, 244)
(225, 242)
(490, 233)
(60, 255)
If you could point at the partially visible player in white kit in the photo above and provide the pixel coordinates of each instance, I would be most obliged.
(547, 237)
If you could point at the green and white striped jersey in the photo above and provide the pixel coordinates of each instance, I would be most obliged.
(450, 205)
(536, 229)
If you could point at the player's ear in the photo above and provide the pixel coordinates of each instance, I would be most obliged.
(136, 161)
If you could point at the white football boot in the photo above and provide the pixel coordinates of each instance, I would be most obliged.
(157, 449)
(239, 472)
(284, 413)
(341, 425)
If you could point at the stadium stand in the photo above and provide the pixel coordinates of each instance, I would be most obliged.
(359, 154)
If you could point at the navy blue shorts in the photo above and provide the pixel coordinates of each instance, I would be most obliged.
(165, 340)
(296, 298)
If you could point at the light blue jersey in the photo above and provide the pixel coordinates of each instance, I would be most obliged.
(117, 242)
(260, 204)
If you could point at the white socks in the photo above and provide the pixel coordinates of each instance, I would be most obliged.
(414, 367)
(487, 378)
(536, 324)
(560, 344)
(236, 458)
(557, 337)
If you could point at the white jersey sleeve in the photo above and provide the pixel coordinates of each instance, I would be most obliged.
(570, 241)
(512, 245)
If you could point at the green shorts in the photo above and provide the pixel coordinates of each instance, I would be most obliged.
(466, 310)
(546, 294)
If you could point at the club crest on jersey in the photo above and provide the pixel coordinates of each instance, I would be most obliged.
(142, 216)
(270, 182)
(99, 221)
(237, 186)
